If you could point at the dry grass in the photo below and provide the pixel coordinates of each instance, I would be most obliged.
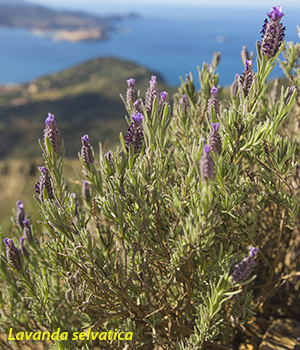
(17, 182)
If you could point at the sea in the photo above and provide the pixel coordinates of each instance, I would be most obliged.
(171, 40)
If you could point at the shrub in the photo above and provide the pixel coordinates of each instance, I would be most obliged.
(157, 242)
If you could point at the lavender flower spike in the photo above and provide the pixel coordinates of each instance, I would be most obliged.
(245, 267)
(131, 94)
(151, 94)
(272, 32)
(137, 106)
(52, 133)
(86, 151)
(213, 102)
(44, 183)
(246, 78)
(27, 230)
(206, 164)
(135, 133)
(12, 254)
(20, 216)
(215, 139)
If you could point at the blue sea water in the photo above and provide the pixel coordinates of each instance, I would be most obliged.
(169, 40)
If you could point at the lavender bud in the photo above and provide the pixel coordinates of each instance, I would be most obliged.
(244, 268)
(23, 250)
(27, 230)
(85, 190)
(131, 94)
(52, 133)
(213, 102)
(109, 159)
(272, 32)
(187, 80)
(216, 60)
(20, 216)
(162, 102)
(234, 86)
(164, 96)
(135, 133)
(86, 151)
(289, 94)
(215, 139)
(44, 183)
(12, 254)
(206, 164)
(151, 94)
(137, 106)
(245, 55)
(246, 78)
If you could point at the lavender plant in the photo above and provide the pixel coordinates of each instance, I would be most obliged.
(157, 245)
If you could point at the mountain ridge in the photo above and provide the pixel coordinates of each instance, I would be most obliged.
(84, 98)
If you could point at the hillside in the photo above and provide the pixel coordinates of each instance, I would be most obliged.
(84, 99)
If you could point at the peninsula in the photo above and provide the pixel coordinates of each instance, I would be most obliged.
(57, 25)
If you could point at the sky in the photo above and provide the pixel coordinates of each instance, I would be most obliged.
(79, 4)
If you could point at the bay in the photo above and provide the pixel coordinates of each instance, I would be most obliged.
(170, 40)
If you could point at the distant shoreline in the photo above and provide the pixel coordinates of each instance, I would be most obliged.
(57, 25)
(75, 35)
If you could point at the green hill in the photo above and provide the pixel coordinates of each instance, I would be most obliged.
(84, 99)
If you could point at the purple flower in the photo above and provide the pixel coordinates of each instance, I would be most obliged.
(131, 94)
(12, 254)
(206, 164)
(215, 139)
(245, 267)
(213, 102)
(130, 82)
(20, 216)
(214, 91)
(52, 133)
(272, 32)
(151, 94)
(275, 13)
(134, 134)
(153, 81)
(246, 78)
(137, 119)
(27, 230)
(44, 183)
(164, 96)
(252, 252)
(87, 153)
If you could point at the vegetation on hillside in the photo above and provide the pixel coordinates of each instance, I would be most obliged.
(85, 98)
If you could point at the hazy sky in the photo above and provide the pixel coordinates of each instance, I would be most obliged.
(238, 3)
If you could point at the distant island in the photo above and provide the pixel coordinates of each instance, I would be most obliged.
(57, 25)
